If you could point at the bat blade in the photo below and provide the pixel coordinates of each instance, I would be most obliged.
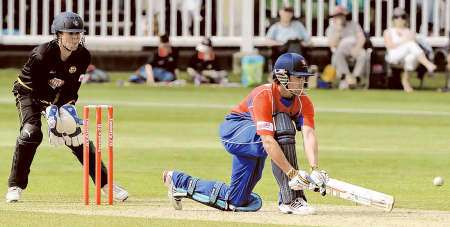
(359, 194)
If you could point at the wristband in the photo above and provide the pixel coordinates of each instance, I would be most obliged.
(292, 173)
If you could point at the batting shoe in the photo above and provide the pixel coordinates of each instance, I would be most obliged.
(167, 179)
(298, 206)
(119, 193)
(13, 194)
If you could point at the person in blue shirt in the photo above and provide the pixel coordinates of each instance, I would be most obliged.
(288, 35)
(288, 29)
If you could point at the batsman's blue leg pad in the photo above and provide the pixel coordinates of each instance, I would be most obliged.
(211, 193)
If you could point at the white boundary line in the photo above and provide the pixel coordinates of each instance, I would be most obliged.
(224, 106)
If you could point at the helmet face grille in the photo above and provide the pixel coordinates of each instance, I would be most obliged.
(282, 76)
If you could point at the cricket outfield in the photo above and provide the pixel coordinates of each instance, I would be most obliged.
(387, 141)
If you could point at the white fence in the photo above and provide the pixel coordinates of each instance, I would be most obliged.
(241, 23)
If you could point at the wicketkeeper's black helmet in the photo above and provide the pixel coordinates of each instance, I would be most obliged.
(67, 22)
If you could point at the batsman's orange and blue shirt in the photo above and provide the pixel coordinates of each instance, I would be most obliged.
(264, 101)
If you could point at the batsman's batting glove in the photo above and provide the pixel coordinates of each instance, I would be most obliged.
(73, 136)
(319, 181)
(298, 179)
(55, 138)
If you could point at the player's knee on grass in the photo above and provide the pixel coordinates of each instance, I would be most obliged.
(254, 204)
(30, 134)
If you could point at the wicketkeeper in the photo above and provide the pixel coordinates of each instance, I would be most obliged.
(49, 81)
(264, 123)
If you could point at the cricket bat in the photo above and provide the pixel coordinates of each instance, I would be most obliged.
(359, 194)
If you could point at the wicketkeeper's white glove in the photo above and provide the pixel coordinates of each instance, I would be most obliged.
(73, 135)
(55, 138)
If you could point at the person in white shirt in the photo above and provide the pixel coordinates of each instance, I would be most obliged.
(403, 49)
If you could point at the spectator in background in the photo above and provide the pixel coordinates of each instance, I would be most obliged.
(160, 66)
(288, 29)
(287, 35)
(95, 75)
(346, 40)
(403, 49)
(203, 67)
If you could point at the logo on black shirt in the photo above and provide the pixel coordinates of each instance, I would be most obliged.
(72, 69)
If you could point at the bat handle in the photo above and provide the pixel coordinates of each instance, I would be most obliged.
(323, 191)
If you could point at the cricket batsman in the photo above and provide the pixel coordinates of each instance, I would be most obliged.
(263, 124)
(49, 82)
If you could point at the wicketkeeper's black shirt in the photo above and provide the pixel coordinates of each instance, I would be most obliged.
(45, 64)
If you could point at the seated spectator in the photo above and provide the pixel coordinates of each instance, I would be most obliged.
(95, 75)
(287, 35)
(203, 67)
(402, 48)
(346, 40)
(160, 66)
